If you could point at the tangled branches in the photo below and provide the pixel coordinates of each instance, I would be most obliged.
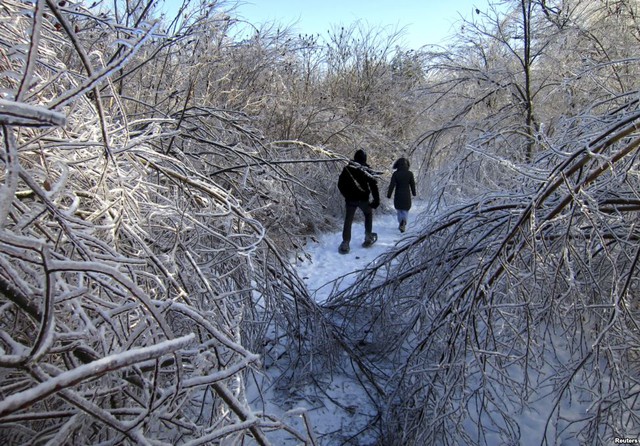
(128, 276)
(517, 311)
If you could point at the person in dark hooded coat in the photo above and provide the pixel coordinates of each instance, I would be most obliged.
(404, 184)
(357, 182)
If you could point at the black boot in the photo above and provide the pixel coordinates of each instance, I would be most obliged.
(369, 239)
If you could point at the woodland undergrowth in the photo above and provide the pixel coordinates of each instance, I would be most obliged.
(159, 176)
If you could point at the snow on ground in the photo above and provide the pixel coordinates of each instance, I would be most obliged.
(340, 410)
(326, 265)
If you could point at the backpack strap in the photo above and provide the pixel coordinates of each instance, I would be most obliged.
(360, 188)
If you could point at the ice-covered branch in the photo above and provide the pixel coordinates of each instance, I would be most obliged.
(92, 370)
(21, 114)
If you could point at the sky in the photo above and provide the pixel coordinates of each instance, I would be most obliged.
(423, 21)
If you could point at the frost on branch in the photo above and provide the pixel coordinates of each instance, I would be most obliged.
(126, 274)
(16, 113)
(516, 310)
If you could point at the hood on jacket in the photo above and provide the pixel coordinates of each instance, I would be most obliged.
(360, 157)
(401, 164)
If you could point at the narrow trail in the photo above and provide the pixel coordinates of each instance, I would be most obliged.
(340, 409)
(325, 265)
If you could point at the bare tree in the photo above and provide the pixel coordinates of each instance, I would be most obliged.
(511, 316)
(513, 310)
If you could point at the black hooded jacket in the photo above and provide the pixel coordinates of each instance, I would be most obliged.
(357, 180)
(403, 181)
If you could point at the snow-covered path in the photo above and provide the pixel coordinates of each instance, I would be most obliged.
(340, 408)
(325, 264)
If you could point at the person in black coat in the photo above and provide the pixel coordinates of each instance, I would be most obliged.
(404, 184)
(356, 183)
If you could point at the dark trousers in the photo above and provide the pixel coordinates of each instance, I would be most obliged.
(352, 206)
